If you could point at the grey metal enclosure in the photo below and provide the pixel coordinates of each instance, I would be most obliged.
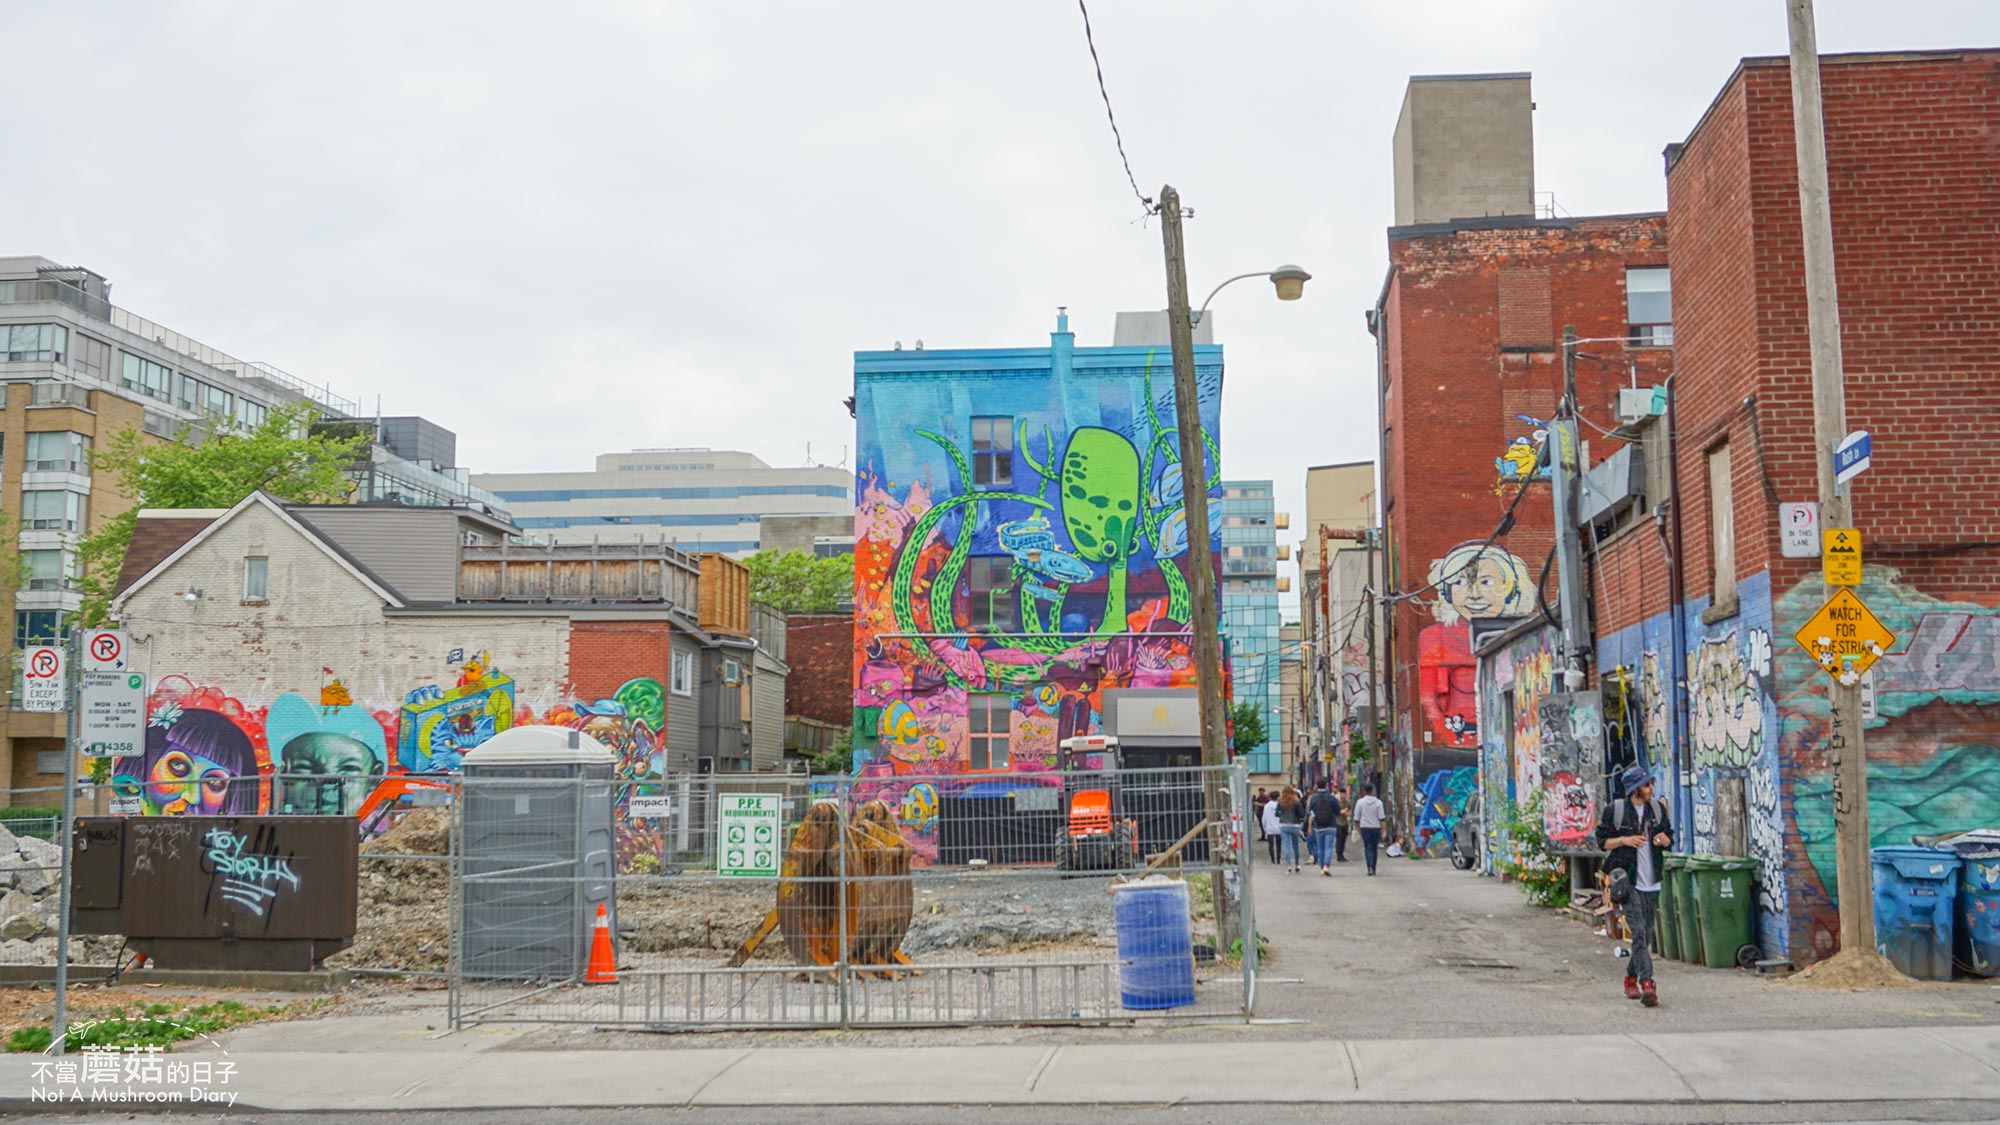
(538, 853)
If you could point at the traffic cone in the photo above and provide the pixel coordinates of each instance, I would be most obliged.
(603, 968)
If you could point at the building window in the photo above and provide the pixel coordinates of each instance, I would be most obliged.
(683, 673)
(34, 343)
(1649, 306)
(732, 672)
(148, 378)
(990, 722)
(47, 569)
(1721, 526)
(51, 510)
(57, 451)
(250, 413)
(91, 357)
(256, 578)
(995, 608)
(993, 450)
(37, 627)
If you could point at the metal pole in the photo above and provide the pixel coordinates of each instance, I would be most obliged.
(1373, 605)
(1850, 777)
(59, 1026)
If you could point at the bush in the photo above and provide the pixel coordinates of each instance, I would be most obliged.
(1525, 856)
(31, 820)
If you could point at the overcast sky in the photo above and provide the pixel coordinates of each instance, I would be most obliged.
(566, 229)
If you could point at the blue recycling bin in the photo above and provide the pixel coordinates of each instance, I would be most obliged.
(1916, 895)
(1977, 943)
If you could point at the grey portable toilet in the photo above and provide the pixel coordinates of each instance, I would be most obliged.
(538, 851)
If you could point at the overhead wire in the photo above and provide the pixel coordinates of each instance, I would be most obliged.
(1117, 138)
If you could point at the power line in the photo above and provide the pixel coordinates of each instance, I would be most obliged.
(1116, 137)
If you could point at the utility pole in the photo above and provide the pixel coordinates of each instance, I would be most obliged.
(1563, 469)
(1205, 639)
(1846, 741)
(1370, 603)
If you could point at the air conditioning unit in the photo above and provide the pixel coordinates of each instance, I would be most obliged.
(1635, 403)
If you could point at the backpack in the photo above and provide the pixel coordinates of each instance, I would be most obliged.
(1658, 806)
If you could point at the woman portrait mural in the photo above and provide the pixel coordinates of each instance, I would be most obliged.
(1472, 580)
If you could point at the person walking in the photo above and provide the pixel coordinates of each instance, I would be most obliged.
(1340, 819)
(1257, 804)
(1291, 826)
(1634, 832)
(1322, 812)
(1368, 816)
(1269, 821)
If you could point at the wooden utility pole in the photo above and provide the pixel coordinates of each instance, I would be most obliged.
(1850, 772)
(1205, 638)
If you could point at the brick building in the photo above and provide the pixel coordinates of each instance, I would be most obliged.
(1469, 328)
(1910, 150)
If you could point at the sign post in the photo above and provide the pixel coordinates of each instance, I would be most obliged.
(59, 1025)
(748, 830)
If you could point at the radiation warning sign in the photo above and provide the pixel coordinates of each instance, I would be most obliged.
(1845, 637)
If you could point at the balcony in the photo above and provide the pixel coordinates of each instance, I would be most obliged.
(52, 393)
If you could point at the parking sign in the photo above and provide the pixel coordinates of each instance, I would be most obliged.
(44, 686)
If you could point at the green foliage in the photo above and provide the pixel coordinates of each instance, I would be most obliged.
(840, 759)
(155, 1025)
(1524, 854)
(284, 456)
(31, 820)
(1236, 947)
(796, 582)
(1250, 732)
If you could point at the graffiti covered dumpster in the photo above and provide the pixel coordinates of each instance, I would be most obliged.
(1915, 892)
(1977, 943)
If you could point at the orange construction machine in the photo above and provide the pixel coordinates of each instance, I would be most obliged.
(1096, 833)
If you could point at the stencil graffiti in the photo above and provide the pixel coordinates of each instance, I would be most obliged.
(1727, 727)
(249, 880)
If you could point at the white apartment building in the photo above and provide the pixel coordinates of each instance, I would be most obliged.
(702, 499)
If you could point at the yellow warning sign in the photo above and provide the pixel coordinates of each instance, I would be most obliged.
(1840, 562)
(1845, 637)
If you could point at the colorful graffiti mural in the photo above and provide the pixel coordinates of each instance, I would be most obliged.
(1522, 460)
(1726, 727)
(1472, 580)
(1445, 796)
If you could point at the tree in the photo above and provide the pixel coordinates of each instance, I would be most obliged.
(281, 456)
(796, 582)
(1250, 733)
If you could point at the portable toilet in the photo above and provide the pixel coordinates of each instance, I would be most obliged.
(538, 852)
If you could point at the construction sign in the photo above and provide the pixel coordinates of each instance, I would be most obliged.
(1845, 637)
(1840, 563)
(748, 824)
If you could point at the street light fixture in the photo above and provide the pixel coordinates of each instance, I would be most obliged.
(1290, 281)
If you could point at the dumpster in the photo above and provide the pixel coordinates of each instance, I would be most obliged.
(1723, 904)
(1916, 890)
(1687, 928)
(1667, 943)
(1976, 946)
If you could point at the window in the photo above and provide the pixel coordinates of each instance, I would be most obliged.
(732, 672)
(51, 510)
(1721, 527)
(37, 627)
(995, 609)
(683, 673)
(34, 343)
(47, 569)
(250, 414)
(256, 578)
(990, 721)
(92, 357)
(993, 450)
(146, 377)
(57, 451)
(1649, 306)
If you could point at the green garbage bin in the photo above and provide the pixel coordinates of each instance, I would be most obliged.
(1723, 907)
(1687, 928)
(1668, 941)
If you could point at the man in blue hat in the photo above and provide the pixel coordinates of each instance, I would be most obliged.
(1635, 833)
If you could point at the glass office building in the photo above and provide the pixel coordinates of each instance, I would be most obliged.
(1250, 616)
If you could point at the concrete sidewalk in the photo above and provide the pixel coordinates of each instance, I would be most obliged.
(1901, 1064)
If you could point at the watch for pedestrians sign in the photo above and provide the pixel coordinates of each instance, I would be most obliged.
(748, 826)
(107, 650)
(1841, 563)
(1845, 637)
(44, 687)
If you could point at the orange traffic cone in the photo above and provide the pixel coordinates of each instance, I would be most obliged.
(603, 968)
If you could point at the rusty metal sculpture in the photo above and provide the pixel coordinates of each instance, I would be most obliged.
(863, 864)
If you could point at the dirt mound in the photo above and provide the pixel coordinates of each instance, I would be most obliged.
(403, 912)
(1853, 970)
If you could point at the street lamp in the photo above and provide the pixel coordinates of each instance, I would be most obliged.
(1290, 281)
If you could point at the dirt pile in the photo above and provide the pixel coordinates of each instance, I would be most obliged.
(403, 914)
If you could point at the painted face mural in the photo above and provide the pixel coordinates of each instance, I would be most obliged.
(1472, 581)
(197, 763)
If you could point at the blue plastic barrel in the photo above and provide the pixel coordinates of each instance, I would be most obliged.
(1916, 896)
(1978, 939)
(1155, 944)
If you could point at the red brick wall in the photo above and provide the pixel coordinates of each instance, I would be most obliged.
(605, 654)
(820, 647)
(1456, 384)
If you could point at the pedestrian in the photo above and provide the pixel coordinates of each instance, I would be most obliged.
(1269, 820)
(1633, 832)
(1340, 819)
(1257, 804)
(1368, 816)
(1322, 811)
(1291, 826)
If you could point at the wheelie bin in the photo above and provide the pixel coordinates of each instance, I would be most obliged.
(1687, 927)
(1916, 892)
(1976, 945)
(1670, 904)
(1723, 907)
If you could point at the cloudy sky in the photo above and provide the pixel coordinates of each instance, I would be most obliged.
(565, 229)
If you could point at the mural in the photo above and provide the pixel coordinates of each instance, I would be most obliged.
(1523, 459)
(1445, 796)
(1726, 726)
(1019, 537)
(1472, 580)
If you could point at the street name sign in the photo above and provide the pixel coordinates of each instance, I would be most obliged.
(44, 687)
(111, 713)
(748, 830)
(1845, 637)
(1850, 457)
(1799, 526)
(1841, 564)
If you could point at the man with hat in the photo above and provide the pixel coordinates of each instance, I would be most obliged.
(1634, 833)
